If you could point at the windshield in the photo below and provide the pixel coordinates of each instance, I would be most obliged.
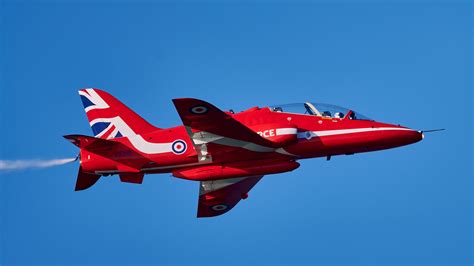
(319, 109)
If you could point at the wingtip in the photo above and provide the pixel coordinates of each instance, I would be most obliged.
(185, 99)
(209, 214)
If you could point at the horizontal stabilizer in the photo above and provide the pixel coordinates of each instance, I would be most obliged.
(90, 143)
(107, 148)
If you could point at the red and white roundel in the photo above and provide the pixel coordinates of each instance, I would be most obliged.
(198, 110)
(178, 146)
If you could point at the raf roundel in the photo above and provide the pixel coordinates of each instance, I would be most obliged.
(178, 147)
(219, 207)
(198, 110)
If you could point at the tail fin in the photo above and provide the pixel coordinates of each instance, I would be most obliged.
(109, 118)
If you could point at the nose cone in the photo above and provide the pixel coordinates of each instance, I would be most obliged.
(391, 136)
(401, 136)
(410, 136)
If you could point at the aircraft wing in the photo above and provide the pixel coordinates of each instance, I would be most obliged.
(206, 123)
(220, 196)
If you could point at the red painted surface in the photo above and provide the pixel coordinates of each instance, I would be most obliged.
(214, 145)
(232, 170)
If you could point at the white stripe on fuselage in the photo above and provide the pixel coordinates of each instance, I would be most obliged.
(286, 131)
(205, 137)
(324, 133)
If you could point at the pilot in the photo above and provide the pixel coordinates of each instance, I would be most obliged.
(339, 115)
(326, 114)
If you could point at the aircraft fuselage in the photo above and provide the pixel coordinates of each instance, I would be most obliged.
(307, 136)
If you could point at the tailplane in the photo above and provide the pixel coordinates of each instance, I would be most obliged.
(109, 118)
(96, 147)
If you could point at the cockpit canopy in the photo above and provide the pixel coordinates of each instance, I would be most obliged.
(319, 109)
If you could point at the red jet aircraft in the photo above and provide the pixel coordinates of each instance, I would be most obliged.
(227, 152)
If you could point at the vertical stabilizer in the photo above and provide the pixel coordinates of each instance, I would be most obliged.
(109, 118)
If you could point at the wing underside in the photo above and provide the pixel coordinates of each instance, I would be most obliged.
(220, 196)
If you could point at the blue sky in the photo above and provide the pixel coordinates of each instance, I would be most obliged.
(395, 62)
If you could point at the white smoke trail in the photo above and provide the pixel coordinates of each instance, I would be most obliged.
(26, 164)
